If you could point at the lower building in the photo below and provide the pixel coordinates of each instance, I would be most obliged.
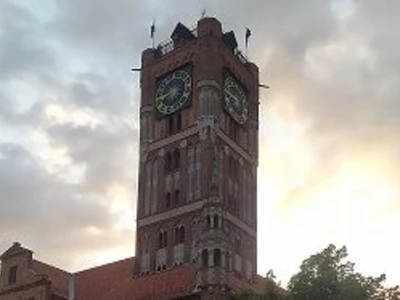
(25, 278)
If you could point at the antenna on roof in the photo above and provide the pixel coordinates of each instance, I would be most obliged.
(152, 32)
(203, 13)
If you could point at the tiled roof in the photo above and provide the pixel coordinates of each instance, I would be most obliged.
(59, 278)
(168, 284)
(94, 283)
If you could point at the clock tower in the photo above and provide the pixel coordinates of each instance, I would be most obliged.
(197, 198)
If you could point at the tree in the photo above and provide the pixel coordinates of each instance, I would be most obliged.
(328, 276)
(270, 292)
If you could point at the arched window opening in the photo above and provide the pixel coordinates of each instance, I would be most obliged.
(179, 234)
(170, 125)
(191, 170)
(145, 243)
(168, 200)
(160, 239)
(182, 234)
(165, 239)
(154, 188)
(168, 162)
(178, 121)
(209, 221)
(217, 257)
(174, 123)
(176, 198)
(204, 258)
(216, 221)
(176, 235)
(238, 246)
(176, 159)
(197, 181)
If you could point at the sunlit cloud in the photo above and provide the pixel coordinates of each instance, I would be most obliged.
(329, 126)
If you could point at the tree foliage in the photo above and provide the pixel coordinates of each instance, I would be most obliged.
(270, 291)
(328, 276)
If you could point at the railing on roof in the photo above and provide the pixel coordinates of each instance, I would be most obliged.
(241, 56)
(167, 46)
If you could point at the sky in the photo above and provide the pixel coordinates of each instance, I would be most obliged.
(329, 126)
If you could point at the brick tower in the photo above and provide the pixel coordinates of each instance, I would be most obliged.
(198, 159)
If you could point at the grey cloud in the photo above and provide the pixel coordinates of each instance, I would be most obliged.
(35, 201)
(24, 50)
(40, 209)
(114, 31)
(97, 91)
(107, 154)
(81, 59)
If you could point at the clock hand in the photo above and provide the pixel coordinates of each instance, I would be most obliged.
(233, 96)
(162, 97)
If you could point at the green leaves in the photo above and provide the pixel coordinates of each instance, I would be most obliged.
(328, 276)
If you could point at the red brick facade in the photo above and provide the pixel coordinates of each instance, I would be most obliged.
(210, 190)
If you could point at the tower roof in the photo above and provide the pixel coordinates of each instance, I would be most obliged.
(229, 39)
(181, 32)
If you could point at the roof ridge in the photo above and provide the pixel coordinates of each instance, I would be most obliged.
(50, 266)
(104, 265)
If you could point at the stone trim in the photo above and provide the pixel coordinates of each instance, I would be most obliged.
(41, 282)
(172, 213)
(173, 138)
(208, 82)
(147, 108)
(235, 147)
(239, 223)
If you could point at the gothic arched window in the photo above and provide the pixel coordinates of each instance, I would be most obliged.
(204, 258)
(182, 234)
(154, 188)
(191, 172)
(176, 197)
(216, 221)
(217, 257)
(168, 162)
(176, 159)
(168, 200)
(197, 182)
(178, 121)
(209, 221)
(145, 243)
(147, 193)
(179, 233)
(160, 239)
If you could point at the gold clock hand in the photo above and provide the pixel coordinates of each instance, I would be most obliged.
(233, 96)
(162, 97)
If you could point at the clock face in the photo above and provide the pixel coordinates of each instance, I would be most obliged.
(235, 100)
(173, 92)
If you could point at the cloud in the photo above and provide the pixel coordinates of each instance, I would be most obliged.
(69, 107)
(24, 51)
(67, 162)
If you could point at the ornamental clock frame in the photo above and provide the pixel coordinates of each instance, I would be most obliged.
(173, 91)
(235, 98)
